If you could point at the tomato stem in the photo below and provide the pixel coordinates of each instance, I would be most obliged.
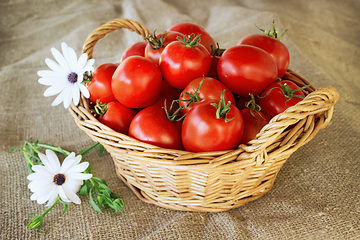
(193, 97)
(288, 93)
(222, 108)
(154, 42)
(173, 116)
(99, 108)
(190, 40)
(254, 107)
(215, 51)
(272, 32)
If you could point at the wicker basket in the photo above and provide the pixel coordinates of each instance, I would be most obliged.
(207, 181)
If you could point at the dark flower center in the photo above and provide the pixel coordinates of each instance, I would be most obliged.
(72, 77)
(59, 179)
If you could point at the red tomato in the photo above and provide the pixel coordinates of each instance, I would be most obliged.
(168, 91)
(189, 28)
(116, 116)
(246, 69)
(151, 125)
(271, 44)
(156, 44)
(170, 103)
(210, 88)
(181, 62)
(277, 97)
(215, 56)
(253, 123)
(241, 102)
(136, 82)
(202, 131)
(100, 85)
(137, 49)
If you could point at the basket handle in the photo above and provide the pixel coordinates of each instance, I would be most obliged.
(109, 27)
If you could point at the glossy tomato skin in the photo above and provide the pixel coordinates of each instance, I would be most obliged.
(168, 91)
(168, 37)
(151, 125)
(137, 49)
(274, 102)
(246, 69)
(209, 89)
(189, 28)
(100, 85)
(117, 117)
(180, 64)
(252, 125)
(136, 82)
(273, 46)
(202, 132)
(213, 69)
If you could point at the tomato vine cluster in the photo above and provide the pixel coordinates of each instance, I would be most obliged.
(178, 90)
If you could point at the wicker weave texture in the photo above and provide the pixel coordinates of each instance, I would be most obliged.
(208, 181)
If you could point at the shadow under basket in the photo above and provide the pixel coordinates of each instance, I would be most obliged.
(207, 181)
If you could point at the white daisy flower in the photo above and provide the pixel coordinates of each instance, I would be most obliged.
(65, 77)
(51, 180)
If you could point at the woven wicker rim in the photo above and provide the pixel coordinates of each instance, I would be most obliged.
(275, 141)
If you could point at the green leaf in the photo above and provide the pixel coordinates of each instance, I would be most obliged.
(14, 149)
(92, 202)
(85, 188)
(114, 195)
(99, 180)
(100, 200)
(101, 150)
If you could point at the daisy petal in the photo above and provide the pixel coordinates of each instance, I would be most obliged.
(47, 194)
(67, 163)
(84, 90)
(79, 168)
(49, 73)
(79, 176)
(60, 59)
(89, 66)
(63, 195)
(81, 62)
(56, 88)
(72, 59)
(44, 159)
(68, 95)
(61, 96)
(76, 95)
(54, 66)
(53, 160)
(65, 51)
(71, 195)
(54, 195)
(48, 81)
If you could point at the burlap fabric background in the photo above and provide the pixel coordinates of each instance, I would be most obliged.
(316, 193)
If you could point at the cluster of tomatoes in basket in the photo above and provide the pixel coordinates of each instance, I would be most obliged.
(178, 90)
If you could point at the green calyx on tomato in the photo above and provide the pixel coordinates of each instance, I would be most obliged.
(222, 108)
(193, 97)
(272, 32)
(288, 93)
(215, 51)
(154, 42)
(253, 107)
(190, 40)
(171, 115)
(99, 108)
